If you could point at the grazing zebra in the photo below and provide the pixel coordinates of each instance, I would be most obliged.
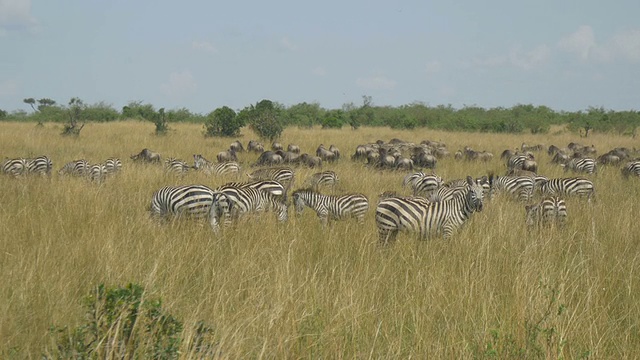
(112, 166)
(586, 165)
(631, 168)
(449, 190)
(283, 175)
(324, 178)
(521, 187)
(186, 200)
(176, 166)
(405, 214)
(422, 184)
(40, 165)
(15, 167)
(246, 199)
(97, 173)
(550, 209)
(567, 187)
(210, 168)
(270, 186)
(329, 206)
(75, 168)
(220, 208)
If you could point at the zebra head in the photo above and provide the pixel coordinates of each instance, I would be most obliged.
(298, 202)
(221, 207)
(475, 195)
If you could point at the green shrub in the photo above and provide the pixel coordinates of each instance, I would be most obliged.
(223, 122)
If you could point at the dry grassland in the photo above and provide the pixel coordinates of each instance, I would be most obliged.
(295, 291)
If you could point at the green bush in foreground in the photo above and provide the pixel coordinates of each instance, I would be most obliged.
(122, 323)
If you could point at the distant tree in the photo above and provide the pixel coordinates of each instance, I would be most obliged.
(223, 122)
(3, 114)
(160, 120)
(31, 102)
(136, 109)
(44, 102)
(333, 119)
(76, 109)
(264, 119)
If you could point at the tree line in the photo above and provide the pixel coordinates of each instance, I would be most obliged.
(268, 118)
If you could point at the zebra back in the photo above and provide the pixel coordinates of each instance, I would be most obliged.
(323, 178)
(631, 168)
(176, 166)
(248, 199)
(187, 200)
(520, 187)
(75, 168)
(585, 165)
(113, 165)
(15, 167)
(567, 187)
(335, 207)
(551, 209)
(40, 165)
(215, 169)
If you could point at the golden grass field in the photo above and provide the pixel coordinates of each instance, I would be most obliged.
(288, 291)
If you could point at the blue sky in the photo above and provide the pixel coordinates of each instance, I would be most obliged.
(568, 55)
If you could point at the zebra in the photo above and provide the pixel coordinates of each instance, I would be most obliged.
(210, 168)
(399, 214)
(335, 207)
(246, 199)
(270, 186)
(550, 209)
(40, 165)
(521, 187)
(328, 177)
(220, 208)
(176, 166)
(283, 175)
(186, 200)
(15, 167)
(422, 184)
(451, 187)
(75, 168)
(585, 165)
(567, 187)
(631, 168)
(97, 173)
(112, 166)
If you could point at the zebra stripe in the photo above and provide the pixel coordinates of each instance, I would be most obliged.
(220, 208)
(631, 168)
(97, 173)
(520, 187)
(324, 178)
(75, 168)
(517, 161)
(113, 166)
(210, 168)
(15, 167)
(247, 199)
(585, 165)
(283, 175)
(176, 166)
(328, 206)
(271, 186)
(422, 184)
(551, 209)
(405, 214)
(187, 200)
(567, 187)
(40, 165)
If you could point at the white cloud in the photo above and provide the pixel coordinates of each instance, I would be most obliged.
(530, 59)
(16, 15)
(582, 42)
(180, 84)
(319, 71)
(8, 87)
(204, 46)
(627, 45)
(286, 44)
(433, 67)
(376, 83)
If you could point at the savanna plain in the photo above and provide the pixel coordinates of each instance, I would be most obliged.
(296, 290)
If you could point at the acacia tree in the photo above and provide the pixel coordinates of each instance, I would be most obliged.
(31, 102)
(76, 110)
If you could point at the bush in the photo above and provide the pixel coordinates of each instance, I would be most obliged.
(122, 323)
(223, 122)
(264, 119)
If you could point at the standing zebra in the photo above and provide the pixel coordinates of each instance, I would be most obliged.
(75, 168)
(631, 168)
(112, 166)
(550, 209)
(270, 186)
(586, 165)
(15, 167)
(210, 168)
(567, 187)
(40, 165)
(246, 200)
(422, 184)
(220, 208)
(186, 200)
(283, 175)
(324, 178)
(97, 173)
(521, 187)
(396, 214)
(336, 207)
(176, 166)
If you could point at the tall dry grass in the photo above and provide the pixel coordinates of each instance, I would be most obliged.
(296, 291)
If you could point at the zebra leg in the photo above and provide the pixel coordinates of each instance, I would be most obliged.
(387, 236)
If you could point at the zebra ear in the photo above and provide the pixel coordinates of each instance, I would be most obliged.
(470, 180)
